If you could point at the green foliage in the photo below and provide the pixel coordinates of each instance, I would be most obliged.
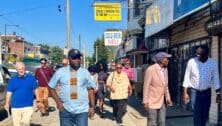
(104, 53)
(56, 55)
(44, 48)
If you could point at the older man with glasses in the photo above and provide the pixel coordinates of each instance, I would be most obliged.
(43, 75)
(156, 94)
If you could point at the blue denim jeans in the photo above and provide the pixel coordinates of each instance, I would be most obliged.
(200, 102)
(72, 119)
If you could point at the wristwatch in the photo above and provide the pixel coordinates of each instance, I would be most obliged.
(92, 106)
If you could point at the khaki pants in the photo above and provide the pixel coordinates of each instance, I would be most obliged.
(22, 116)
(43, 96)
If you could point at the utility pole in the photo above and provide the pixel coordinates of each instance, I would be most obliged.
(96, 53)
(68, 23)
(80, 42)
(0, 50)
(84, 56)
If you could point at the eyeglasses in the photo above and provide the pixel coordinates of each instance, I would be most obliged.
(73, 58)
(43, 62)
(118, 67)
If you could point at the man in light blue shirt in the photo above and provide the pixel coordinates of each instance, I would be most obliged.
(75, 99)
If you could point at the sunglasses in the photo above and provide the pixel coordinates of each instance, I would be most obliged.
(118, 67)
(73, 58)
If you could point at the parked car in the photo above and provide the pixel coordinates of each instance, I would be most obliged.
(4, 78)
(13, 72)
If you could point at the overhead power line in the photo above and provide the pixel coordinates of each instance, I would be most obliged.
(26, 10)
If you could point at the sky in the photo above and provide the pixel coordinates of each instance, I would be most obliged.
(41, 22)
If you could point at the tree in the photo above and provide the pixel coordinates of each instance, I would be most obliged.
(56, 55)
(102, 51)
(44, 48)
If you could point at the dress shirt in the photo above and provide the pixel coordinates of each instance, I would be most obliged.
(201, 75)
(161, 70)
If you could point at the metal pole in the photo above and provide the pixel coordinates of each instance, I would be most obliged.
(84, 56)
(68, 22)
(5, 31)
(0, 50)
(96, 54)
(23, 49)
(80, 42)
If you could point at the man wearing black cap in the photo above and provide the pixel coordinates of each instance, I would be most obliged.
(76, 100)
(155, 90)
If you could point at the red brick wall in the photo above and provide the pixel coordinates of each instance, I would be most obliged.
(16, 48)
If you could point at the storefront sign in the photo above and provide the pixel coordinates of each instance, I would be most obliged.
(214, 26)
(183, 8)
(107, 11)
(158, 16)
(112, 38)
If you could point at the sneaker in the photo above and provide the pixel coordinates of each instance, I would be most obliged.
(114, 119)
(102, 114)
(120, 124)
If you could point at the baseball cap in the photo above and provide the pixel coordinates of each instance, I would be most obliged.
(74, 53)
(160, 55)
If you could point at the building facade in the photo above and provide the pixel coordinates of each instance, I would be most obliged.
(178, 27)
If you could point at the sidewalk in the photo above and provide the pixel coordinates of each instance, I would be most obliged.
(53, 120)
(135, 116)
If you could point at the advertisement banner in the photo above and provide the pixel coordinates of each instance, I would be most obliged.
(185, 7)
(107, 11)
(113, 38)
(158, 16)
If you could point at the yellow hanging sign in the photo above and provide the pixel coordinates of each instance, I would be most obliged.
(107, 11)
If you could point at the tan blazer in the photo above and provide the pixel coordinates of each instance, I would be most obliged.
(155, 88)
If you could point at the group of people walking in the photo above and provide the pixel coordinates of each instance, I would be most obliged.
(201, 74)
(76, 90)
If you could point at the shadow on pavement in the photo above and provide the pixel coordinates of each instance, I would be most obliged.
(35, 124)
(107, 114)
(137, 105)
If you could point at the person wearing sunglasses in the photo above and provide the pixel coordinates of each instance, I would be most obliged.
(201, 74)
(119, 85)
(156, 94)
(76, 98)
(43, 75)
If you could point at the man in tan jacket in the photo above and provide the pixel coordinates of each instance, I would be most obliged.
(155, 91)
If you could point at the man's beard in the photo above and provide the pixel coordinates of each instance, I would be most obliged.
(75, 66)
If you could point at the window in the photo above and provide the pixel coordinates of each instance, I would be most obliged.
(136, 8)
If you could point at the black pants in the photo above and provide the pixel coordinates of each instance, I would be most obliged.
(119, 109)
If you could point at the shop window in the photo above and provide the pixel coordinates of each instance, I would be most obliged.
(180, 56)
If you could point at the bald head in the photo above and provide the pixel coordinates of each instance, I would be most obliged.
(65, 61)
(20, 68)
